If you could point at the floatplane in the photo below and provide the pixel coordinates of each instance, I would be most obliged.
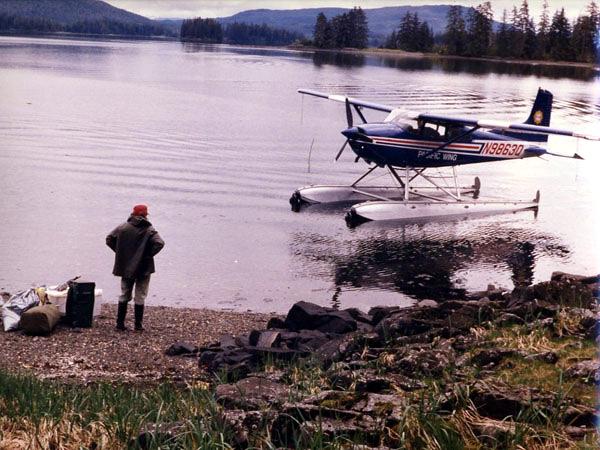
(408, 153)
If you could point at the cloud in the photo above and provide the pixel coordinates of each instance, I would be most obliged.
(223, 8)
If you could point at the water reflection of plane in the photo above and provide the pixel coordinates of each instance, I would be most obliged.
(423, 266)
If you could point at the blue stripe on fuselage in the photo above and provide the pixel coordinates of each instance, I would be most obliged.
(415, 154)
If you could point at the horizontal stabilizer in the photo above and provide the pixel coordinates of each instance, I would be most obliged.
(501, 125)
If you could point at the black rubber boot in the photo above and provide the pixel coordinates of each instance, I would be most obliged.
(121, 313)
(139, 317)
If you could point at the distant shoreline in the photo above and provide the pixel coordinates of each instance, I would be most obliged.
(396, 53)
(68, 35)
(371, 51)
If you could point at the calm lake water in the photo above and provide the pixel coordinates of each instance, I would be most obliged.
(215, 139)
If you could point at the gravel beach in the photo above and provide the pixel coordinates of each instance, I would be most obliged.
(101, 353)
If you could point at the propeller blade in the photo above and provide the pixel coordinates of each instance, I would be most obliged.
(341, 150)
(349, 117)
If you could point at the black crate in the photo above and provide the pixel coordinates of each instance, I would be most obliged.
(80, 304)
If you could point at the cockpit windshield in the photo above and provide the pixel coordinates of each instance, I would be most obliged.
(399, 116)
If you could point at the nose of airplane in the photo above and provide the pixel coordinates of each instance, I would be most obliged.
(351, 133)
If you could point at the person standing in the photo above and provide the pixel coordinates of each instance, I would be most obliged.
(135, 244)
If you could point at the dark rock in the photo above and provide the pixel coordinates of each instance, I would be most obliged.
(547, 357)
(334, 350)
(367, 380)
(181, 348)
(359, 316)
(533, 309)
(579, 416)
(227, 341)
(155, 434)
(426, 362)
(506, 319)
(242, 424)
(251, 393)
(500, 402)
(492, 356)
(564, 293)
(206, 358)
(276, 322)
(304, 316)
(308, 316)
(338, 323)
(289, 427)
(427, 304)
(267, 338)
(576, 433)
(592, 283)
(588, 371)
(309, 340)
(493, 434)
(378, 313)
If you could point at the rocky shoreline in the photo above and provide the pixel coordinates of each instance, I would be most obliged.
(101, 353)
(496, 370)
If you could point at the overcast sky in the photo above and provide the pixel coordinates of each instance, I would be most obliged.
(222, 8)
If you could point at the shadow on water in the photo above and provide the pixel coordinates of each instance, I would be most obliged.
(447, 65)
(459, 65)
(339, 59)
(423, 265)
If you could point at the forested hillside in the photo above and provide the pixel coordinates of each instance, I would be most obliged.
(382, 21)
(78, 16)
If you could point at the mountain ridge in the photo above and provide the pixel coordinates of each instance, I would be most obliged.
(69, 12)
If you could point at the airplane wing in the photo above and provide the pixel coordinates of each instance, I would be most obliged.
(352, 101)
(501, 125)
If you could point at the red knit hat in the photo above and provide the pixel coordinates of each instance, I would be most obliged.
(140, 210)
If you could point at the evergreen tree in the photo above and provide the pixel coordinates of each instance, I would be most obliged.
(455, 37)
(425, 37)
(322, 34)
(542, 35)
(361, 28)
(527, 32)
(559, 37)
(391, 41)
(480, 30)
(583, 40)
(503, 38)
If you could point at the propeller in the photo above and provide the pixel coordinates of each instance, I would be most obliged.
(350, 120)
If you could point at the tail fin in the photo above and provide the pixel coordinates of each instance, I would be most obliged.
(540, 115)
(542, 108)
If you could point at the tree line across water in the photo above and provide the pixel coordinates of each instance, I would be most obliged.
(473, 34)
(211, 31)
(11, 23)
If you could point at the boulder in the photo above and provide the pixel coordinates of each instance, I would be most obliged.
(547, 357)
(265, 339)
(252, 393)
(336, 349)
(579, 415)
(378, 313)
(492, 356)
(308, 316)
(427, 304)
(426, 362)
(276, 323)
(181, 348)
(155, 434)
(500, 402)
(588, 371)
